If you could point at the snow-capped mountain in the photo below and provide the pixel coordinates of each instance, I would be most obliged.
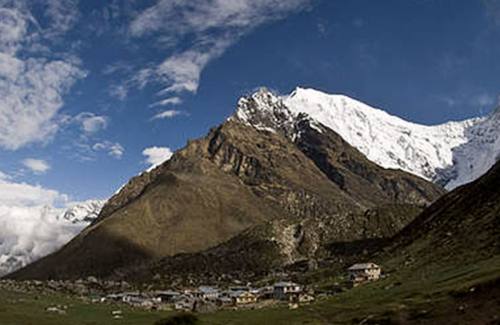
(83, 212)
(475, 157)
(451, 154)
(28, 233)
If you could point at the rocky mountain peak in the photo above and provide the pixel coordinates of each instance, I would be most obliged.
(264, 111)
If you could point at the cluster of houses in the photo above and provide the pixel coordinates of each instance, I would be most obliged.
(192, 299)
(242, 296)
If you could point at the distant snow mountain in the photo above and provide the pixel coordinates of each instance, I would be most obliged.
(29, 233)
(83, 212)
(450, 154)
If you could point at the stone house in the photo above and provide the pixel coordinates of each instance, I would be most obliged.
(243, 298)
(207, 293)
(166, 296)
(185, 303)
(133, 298)
(362, 272)
(286, 290)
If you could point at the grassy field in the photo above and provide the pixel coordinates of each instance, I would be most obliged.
(455, 295)
(22, 309)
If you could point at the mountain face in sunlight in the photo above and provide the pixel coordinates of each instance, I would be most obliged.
(301, 176)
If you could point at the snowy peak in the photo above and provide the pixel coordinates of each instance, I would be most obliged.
(478, 154)
(83, 212)
(264, 111)
(452, 154)
(387, 140)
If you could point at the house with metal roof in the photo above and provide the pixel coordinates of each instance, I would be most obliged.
(285, 290)
(362, 272)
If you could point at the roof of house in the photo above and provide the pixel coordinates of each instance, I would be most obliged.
(237, 294)
(207, 289)
(363, 266)
(168, 293)
(285, 284)
(241, 288)
(133, 293)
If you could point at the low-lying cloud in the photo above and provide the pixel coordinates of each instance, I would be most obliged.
(33, 222)
(29, 233)
(29, 227)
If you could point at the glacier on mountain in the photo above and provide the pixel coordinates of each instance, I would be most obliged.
(451, 154)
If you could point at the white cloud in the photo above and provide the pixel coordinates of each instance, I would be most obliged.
(156, 156)
(30, 223)
(203, 15)
(113, 149)
(13, 28)
(168, 101)
(118, 91)
(32, 86)
(92, 123)
(31, 98)
(3, 176)
(210, 25)
(183, 71)
(29, 233)
(167, 114)
(63, 14)
(22, 194)
(37, 166)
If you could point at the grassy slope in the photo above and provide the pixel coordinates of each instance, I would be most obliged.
(443, 268)
(22, 309)
(433, 296)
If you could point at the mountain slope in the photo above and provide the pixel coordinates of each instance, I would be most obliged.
(236, 179)
(461, 227)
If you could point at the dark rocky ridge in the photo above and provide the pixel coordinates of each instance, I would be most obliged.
(242, 186)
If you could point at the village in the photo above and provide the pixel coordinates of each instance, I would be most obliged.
(200, 299)
(210, 298)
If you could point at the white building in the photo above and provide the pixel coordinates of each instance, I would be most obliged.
(362, 272)
(243, 298)
(166, 296)
(285, 290)
(208, 293)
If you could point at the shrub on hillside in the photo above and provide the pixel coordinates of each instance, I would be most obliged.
(179, 319)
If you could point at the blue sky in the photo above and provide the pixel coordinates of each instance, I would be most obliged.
(82, 82)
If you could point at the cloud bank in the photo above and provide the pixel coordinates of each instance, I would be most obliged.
(28, 233)
(36, 221)
(29, 227)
